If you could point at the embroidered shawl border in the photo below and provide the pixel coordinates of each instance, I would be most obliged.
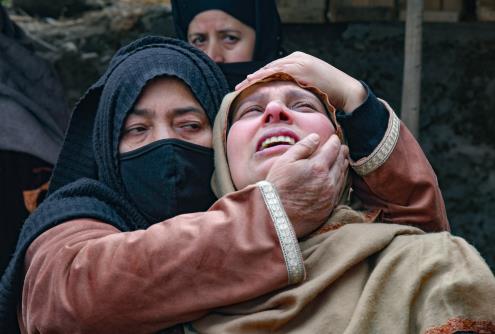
(286, 235)
(381, 153)
(464, 325)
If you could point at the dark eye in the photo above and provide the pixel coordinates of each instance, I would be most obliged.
(135, 130)
(198, 40)
(231, 39)
(191, 126)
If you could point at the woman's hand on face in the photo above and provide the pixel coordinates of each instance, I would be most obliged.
(309, 179)
(344, 92)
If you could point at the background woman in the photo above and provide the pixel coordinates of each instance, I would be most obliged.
(241, 36)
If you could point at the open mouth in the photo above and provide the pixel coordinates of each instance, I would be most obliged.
(277, 138)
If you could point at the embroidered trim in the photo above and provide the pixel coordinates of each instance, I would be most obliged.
(458, 324)
(285, 232)
(381, 153)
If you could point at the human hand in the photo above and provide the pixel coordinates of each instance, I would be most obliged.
(309, 180)
(344, 92)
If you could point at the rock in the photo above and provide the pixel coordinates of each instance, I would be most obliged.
(80, 48)
(53, 8)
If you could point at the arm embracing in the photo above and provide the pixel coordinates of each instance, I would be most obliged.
(396, 177)
(87, 276)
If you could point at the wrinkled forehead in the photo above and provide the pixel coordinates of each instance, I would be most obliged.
(235, 99)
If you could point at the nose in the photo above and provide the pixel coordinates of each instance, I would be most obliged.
(215, 52)
(276, 112)
(163, 132)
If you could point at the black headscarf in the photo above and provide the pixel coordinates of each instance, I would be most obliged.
(261, 15)
(86, 181)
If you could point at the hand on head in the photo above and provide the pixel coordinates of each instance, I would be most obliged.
(344, 92)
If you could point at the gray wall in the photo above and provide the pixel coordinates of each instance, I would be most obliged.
(457, 127)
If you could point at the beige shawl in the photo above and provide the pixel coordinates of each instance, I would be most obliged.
(365, 278)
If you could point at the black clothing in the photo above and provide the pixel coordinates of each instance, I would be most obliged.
(19, 173)
(87, 181)
(168, 177)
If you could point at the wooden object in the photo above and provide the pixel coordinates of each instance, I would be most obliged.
(436, 10)
(411, 86)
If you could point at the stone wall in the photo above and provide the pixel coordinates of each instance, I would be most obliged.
(457, 128)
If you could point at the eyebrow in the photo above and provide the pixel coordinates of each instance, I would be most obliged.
(145, 112)
(223, 31)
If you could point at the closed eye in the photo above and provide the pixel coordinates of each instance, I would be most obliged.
(250, 111)
(305, 107)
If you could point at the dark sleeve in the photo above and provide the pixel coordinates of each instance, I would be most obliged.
(365, 127)
(392, 173)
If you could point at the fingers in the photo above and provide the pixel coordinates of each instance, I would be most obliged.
(329, 151)
(289, 64)
(337, 172)
(302, 149)
(259, 74)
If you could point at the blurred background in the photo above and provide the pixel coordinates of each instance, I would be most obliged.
(364, 38)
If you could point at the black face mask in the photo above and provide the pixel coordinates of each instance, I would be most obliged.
(168, 177)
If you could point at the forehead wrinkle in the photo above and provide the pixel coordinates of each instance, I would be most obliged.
(228, 30)
(299, 92)
(188, 110)
(145, 112)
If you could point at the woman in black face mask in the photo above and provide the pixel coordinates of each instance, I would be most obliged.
(138, 151)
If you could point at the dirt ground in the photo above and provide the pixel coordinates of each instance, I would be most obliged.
(457, 128)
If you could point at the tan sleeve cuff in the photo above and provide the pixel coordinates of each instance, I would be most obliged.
(285, 232)
(382, 152)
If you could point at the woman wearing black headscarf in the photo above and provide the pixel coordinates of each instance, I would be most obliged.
(259, 16)
(94, 257)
